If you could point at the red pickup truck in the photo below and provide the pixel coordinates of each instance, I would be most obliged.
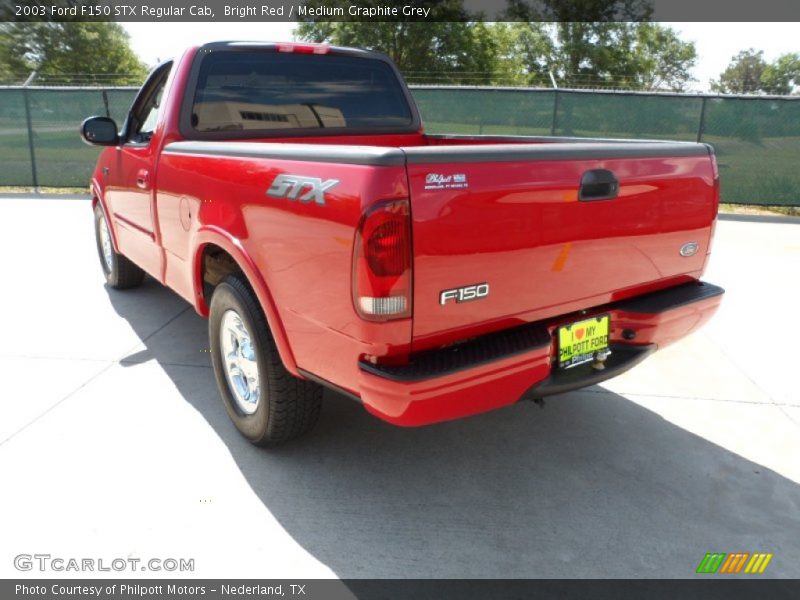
(289, 192)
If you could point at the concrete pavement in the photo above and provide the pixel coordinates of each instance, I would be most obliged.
(113, 442)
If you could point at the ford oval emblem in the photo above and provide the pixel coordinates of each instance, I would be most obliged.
(689, 249)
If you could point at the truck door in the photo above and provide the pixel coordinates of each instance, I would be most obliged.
(130, 179)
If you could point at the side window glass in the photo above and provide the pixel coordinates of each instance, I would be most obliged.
(151, 116)
(144, 116)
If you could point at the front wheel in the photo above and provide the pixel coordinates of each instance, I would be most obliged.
(267, 404)
(120, 273)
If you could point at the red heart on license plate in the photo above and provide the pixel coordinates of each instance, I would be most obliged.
(579, 333)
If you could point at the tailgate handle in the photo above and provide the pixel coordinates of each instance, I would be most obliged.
(598, 184)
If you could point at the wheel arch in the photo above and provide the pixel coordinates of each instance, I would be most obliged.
(211, 236)
(97, 198)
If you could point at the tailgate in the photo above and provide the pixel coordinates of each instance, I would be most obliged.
(500, 239)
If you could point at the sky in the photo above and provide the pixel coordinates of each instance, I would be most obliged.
(716, 43)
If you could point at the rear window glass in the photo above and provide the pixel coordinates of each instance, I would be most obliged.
(241, 91)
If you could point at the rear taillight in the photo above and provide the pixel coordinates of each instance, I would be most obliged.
(382, 262)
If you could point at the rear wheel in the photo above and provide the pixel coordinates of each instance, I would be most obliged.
(267, 404)
(120, 273)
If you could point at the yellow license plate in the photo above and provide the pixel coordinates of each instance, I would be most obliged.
(580, 342)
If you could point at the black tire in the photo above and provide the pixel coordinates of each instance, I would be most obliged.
(287, 406)
(120, 272)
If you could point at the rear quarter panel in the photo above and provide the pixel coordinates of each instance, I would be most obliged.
(302, 250)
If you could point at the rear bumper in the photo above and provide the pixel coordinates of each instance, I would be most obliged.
(497, 369)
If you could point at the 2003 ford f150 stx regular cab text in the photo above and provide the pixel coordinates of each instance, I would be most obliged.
(290, 194)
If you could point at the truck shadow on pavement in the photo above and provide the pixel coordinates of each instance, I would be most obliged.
(593, 485)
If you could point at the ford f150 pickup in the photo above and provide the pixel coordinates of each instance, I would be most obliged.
(289, 193)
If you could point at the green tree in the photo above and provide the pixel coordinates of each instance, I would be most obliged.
(69, 52)
(590, 37)
(783, 75)
(661, 59)
(5, 52)
(641, 56)
(444, 48)
(599, 43)
(525, 54)
(743, 74)
(583, 43)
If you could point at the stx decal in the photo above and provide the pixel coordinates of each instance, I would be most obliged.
(291, 186)
(720, 562)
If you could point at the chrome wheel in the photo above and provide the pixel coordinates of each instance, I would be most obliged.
(105, 244)
(239, 362)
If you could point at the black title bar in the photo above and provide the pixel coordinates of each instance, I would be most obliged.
(402, 10)
(710, 587)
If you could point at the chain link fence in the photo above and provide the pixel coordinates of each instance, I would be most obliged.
(757, 139)
(39, 141)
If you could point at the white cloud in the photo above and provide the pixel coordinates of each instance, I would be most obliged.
(717, 43)
(158, 41)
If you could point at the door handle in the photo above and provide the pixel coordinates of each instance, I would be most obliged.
(598, 184)
(143, 178)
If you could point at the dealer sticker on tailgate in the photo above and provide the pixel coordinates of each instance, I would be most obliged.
(579, 342)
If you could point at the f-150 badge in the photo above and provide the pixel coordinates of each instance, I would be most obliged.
(464, 294)
(291, 187)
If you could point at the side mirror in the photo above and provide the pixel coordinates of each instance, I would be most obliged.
(100, 131)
